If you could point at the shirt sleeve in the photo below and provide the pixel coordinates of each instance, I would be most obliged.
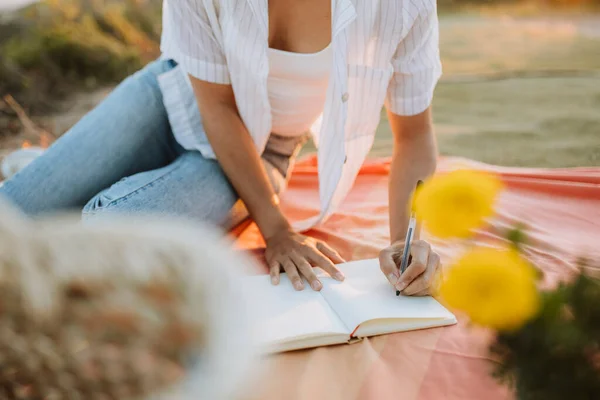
(191, 37)
(417, 66)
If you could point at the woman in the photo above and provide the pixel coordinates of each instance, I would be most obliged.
(220, 117)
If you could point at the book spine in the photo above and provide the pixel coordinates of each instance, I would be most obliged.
(353, 340)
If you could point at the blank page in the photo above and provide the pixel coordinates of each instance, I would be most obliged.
(367, 295)
(283, 314)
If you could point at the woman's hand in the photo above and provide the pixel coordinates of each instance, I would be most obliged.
(419, 277)
(297, 254)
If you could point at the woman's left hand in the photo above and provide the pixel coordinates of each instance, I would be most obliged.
(419, 276)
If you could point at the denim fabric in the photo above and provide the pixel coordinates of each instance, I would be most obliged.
(122, 158)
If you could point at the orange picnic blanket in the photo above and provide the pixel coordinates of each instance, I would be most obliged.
(562, 210)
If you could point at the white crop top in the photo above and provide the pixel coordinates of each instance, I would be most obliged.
(297, 87)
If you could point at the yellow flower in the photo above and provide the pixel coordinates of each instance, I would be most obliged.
(453, 204)
(494, 288)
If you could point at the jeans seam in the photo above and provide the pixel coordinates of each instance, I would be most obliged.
(126, 197)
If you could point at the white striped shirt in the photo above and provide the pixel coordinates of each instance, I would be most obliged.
(384, 52)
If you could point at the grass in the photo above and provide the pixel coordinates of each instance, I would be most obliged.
(545, 122)
(522, 122)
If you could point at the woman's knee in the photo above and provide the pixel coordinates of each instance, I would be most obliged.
(130, 196)
(211, 209)
(217, 214)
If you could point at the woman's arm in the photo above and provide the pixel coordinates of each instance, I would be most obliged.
(242, 164)
(237, 155)
(417, 68)
(195, 43)
(414, 158)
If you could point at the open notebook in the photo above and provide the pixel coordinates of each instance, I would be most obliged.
(364, 305)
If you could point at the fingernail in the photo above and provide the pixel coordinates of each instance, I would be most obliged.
(275, 280)
(393, 279)
(401, 286)
(298, 285)
(316, 285)
(339, 276)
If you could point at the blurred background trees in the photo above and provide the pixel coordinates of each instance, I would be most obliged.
(54, 47)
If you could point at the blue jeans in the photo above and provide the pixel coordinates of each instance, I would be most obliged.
(122, 158)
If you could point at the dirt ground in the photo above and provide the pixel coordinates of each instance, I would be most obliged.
(516, 91)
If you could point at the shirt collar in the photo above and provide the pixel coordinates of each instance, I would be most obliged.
(343, 13)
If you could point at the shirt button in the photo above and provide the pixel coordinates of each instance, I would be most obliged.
(345, 97)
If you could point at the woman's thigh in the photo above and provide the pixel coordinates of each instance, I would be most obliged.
(127, 133)
(191, 187)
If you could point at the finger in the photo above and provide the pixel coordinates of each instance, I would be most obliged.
(388, 265)
(418, 285)
(330, 253)
(437, 278)
(318, 259)
(307, 271)
(425, 281)
(422, 293)
(419, 251)
(292, 272)
(274, 269)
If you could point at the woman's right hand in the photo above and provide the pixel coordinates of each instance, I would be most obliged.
(297, 254)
